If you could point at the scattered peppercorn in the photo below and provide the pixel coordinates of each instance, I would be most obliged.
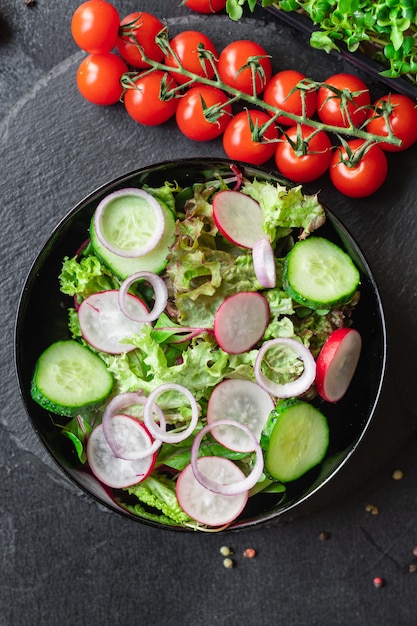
(378, 582)
(228, 563)
(371, 508)
(226, 551)
(398, 474)
(324, 535)
(249, 553)
(412, 568)
(30, 3)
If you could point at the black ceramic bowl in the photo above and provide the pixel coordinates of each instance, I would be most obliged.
(42, 319)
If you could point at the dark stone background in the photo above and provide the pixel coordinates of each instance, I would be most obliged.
(66, 560)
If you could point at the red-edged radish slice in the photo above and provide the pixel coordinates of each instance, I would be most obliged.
(264, 263)
(241, 401)
(337, 362)
(240, 321)
(160, 297)
(150, 407)
(203, 505)
(103, 324)
(295, 387)
(217, 482)
(238, 217)
(121, 448)
(129, 222)
(111, 470)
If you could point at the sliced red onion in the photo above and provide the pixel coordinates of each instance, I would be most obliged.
(153, 238)
(227, 489)
(293, 388)
(264, 263)
(116, 406)
(150, 407)
(160, 293)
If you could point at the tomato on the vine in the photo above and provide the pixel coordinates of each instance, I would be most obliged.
(206, 6)
(190, 46)
(402, 118)
(282, 92)
(349, 97)
(197, 105)
(144, 100)
(362, 179)
(98, 78)
(239, 139)
(138, 32)
(303, 153)
(244, 64)
(95, 26)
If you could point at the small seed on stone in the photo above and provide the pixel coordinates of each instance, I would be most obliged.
(324, 535)
(228, 563)
(398, 474)
(371, 508)
(415, 551)
(249, 553)
(412, 568)
(378, 582)
(226, 551)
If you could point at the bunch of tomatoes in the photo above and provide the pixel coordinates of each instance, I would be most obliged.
(308, 128)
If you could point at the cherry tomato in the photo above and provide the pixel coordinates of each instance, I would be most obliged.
(239, 144)
(362, 179)
(95, 26)
(186, 46)
(238, 66)
(281, 92)
(402, 118)
(206, 6)
(139, 29)
(190, 113)
(143, 101)
(330, 105)
(98, 78)
(303, 168)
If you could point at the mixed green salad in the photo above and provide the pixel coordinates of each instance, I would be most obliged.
(204, 323)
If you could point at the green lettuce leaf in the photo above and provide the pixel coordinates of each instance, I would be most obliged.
(85, 276)
(158, 494)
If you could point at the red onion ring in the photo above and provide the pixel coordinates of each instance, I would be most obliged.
(115, 407)
(159, 222)
(230, 489)
(150, 406)
(293, 388)
(160, 292)
(264, 263)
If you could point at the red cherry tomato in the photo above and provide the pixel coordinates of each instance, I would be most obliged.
(239, 144)
(186, 46)
(360, 180)
(139, 29)
(98, 78)
(330, 105)
(402, 118)
(143, 101)
(282, 92)
(95, 26)
(206, 6)
(303, 168)
(237, 70)
(190, 116)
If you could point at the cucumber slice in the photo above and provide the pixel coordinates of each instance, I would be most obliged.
(69, 377)
(296, 439)
(318, 274)
(154, 261)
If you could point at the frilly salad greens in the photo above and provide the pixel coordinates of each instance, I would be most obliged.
(202, 270)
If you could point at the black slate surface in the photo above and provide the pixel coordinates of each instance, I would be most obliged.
(65, 559)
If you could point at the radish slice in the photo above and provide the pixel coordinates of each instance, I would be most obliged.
(240, 401)
(238, 217)
(129, 222)
(204, 505)
(94, 486)
(293, 388)
(111, 470)
(264, 263)
(337, 362)
(160, 301)
(150, 407)
(103, 324)
(217, 482)
(240, 321)
(121, 448)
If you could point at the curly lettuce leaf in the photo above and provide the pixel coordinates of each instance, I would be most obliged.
(159, 495)
(84, 276)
